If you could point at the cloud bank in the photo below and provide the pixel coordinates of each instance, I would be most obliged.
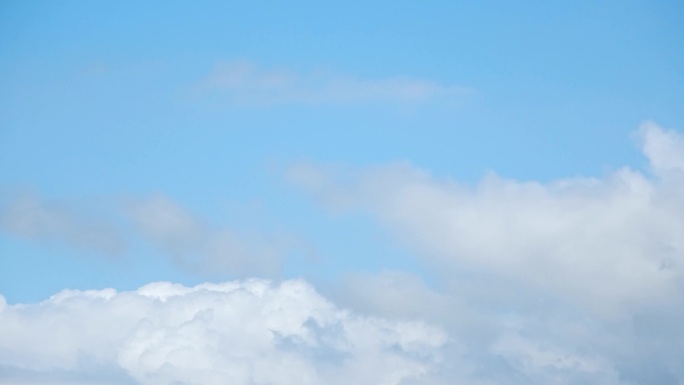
(604, 242)
(242, 82)
(574, 281)
(579, 280)
(243, 332)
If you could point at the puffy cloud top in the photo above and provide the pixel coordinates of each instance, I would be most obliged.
(664, 148)
(248, 332)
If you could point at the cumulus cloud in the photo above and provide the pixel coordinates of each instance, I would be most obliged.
(664, 149)
(574, 281)
(31, 217)
(202, 248)
(246, 332)
(242, 82)
(578, 280)
(604, 242)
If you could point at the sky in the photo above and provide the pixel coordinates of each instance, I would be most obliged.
(390, 193)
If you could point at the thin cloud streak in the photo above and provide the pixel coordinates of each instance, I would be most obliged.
(203, 249)
(31, 217)
(194, 245)
(244, 83)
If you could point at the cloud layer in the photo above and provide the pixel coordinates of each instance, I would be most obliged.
(242, 82)
(248, 332)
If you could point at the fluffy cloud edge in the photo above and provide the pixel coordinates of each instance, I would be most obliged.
(609, 243)
(243, 332)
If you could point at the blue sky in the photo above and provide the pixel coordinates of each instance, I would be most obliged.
(217, 141)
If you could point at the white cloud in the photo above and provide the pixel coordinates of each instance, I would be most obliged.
(242, 82)
(201, 248)
(248, 332)
(575, 281)
(664, 149)
(603, 242)
(579, 280)
(29, 216)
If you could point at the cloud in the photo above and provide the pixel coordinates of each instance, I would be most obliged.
(30, 217)
(242, 82)
(390, 294)
(242, 332)
(195, 245)
(574, 281)
(664, 149)
(604, 242)
(203, 249)
(578, 280)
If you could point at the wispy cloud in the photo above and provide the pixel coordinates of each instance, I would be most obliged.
(31, 217)
(243, 82)
(193, 244)
(201, 248)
